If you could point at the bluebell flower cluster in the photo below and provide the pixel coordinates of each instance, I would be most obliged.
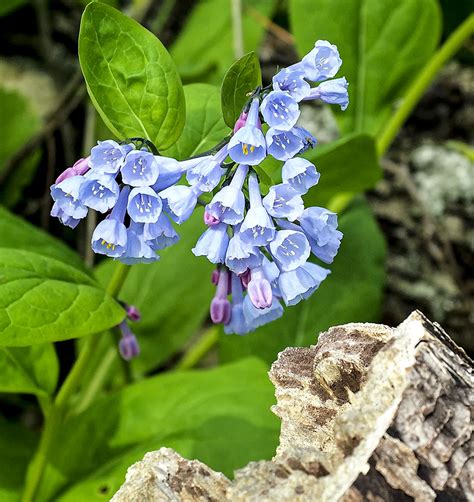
(259, 238)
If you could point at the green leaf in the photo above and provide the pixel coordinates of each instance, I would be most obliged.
(173, 296)
(220, 416)
(383, 45)
(204, 50)
(32, 370)
(17, 445)
(351, 293)
(130, 77)
(240, 80)
(347, 165)
(17, 233)
(44, 300)
(204, 125)
(7, 6)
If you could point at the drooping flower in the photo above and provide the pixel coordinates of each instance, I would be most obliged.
(99, 191)
(290, 249)
(228, 204)
(209, 220)
(280, 110)
(257, 227)
(300, 283)
(213, 243)
(161, 234)
(66, 195)
(221, 310)
(256, 317)
(64, 218)
(108, 156)
(240, 255)
(110, 235)
(322, 62)
(259, 288)
(283, 145)
(80, 167)
(283, 201)
(179, 201)
(333, 92)
(247, 146)
(133, 314)
(208, 173)
(171, 170)
(237, 324)
(128, 345)
(137, 250)
(144, 205)
(292, 80)
(309, 141)
(140, 169)
(300, 174)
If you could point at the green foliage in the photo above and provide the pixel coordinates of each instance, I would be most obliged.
(204, 49)
(204, 125)
(43, 300)
(351, 293)
(7, 6)
(240, 80)
(16, 447)
(221, 416)
(383, 45)
(173, 296)
(130, 77)
(31, 370)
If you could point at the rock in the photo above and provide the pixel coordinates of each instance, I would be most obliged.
(369, 413)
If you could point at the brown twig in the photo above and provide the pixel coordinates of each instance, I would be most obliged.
(268, 24)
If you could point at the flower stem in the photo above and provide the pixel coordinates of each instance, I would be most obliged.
(197, 351)
(59, 407)
(421, 83)
(237, 29)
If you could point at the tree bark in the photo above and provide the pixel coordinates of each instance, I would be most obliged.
(370, 413)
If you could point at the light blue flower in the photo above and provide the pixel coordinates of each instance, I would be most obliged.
(333, 92)
(280, 110)
(228, 204)
(66, 195)
(237, 324)
(259, 288)
(99, 191)
(213, 243)
(179, 201)
(241, 256)
(299, 284)
(290, 249)
(64, 218)
(257, 228)
(292, 80)
(137, 250)
(283, 201)
(171, 170)
(322, 62)
(309, 141)
(108, 156)
(300, 174)
(144, 205)
(247, 145)
(256, 317)
(110, 235)
(208, 173)
(140, 169)
(283, 145)
(161, 234)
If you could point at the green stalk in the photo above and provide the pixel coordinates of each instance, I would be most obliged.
(422, 82)
(59, 407)
(197, 351)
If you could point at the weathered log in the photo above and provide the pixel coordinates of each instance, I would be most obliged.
(369, 413)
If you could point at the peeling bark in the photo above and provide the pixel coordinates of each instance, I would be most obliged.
(370, 413)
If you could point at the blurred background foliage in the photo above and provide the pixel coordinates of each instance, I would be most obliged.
(407, 218)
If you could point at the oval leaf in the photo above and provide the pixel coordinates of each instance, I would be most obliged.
(240, 80)
(130, 77)
(45, 300)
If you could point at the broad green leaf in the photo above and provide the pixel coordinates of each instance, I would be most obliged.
(347, 165)
(351, 293)
(172, 294)
(7, 6)
(130, 77)
(44, 300)
(204, 49)
(220, 416)
(31, 370)
(383, 45)
(204, 125)
(240, 80)
(17, 444)
(17, 233)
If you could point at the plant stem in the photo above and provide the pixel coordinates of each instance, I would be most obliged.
(197, 351)
(59, 407)
(424, 79)
(237, 28)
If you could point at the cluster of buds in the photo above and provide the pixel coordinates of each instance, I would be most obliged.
(260, 244)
